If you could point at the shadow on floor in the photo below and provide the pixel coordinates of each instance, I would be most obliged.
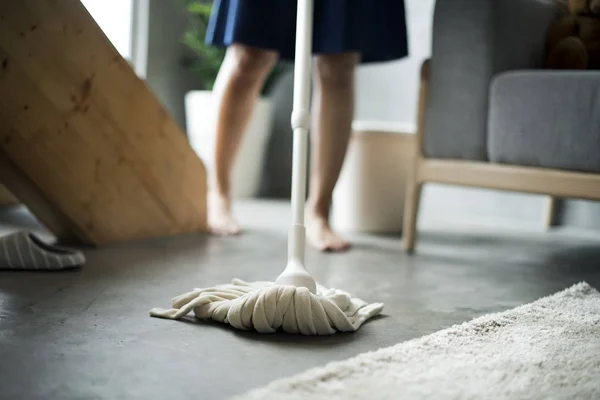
(480, 238)
(278, 339)
(580, 260)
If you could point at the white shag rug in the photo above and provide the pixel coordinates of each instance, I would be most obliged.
(549, 349)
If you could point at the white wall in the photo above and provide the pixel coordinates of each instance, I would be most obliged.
(389, 92)
(115, 19)
(166, 76)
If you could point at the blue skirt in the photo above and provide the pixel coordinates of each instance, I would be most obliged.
(374, 28)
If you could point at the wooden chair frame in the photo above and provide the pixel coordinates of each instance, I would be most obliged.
(532, 180)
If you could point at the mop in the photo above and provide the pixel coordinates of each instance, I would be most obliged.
(294, 303)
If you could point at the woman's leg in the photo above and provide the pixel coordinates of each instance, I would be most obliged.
(237, 87)
(333, 111)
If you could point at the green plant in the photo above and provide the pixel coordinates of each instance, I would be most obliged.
(207, 59)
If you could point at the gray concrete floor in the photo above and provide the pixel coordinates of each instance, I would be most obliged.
(86, 334)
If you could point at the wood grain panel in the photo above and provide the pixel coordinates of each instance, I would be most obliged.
(91, 138)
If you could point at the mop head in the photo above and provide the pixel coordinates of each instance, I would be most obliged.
(267, 308)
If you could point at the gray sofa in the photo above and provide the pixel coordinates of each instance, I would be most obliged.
(491, 116)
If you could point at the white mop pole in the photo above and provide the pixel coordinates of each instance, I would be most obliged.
(295, 273)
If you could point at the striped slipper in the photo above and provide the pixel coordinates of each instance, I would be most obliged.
(25, 251)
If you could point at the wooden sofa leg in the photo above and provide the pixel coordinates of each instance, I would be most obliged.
(549, 212)
(411, 213)
(414, 184)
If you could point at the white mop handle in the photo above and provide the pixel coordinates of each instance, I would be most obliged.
(301, 115)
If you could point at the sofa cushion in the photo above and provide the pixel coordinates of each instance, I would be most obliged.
(472, 40)
(547, 119)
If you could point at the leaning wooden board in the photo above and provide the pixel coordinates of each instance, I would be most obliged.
(83, 141)
(6, 197)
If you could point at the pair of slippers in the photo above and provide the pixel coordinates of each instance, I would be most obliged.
(24, 250)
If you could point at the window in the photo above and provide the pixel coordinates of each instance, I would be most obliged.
(115, 18)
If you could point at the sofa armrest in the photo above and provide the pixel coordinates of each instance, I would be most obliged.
(473, 40)
(547, 119)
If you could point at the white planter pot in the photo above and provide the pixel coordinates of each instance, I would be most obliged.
(201, 117)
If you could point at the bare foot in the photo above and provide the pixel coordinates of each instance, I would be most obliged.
(220, 219)
(320, 235)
